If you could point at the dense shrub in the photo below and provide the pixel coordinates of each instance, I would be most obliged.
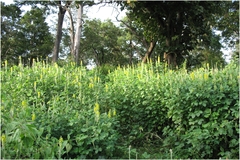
(194, 114)
(48, 112)
(69, 112)
(204, 113)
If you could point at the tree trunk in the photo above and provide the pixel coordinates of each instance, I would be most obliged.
(149, 51)
(78, 33)
(61, 13)
(71, 33)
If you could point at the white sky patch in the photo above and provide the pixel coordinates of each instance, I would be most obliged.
(105, 12)
(227, 52)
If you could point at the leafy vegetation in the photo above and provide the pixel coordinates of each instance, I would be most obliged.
(142, 111)
(27, 36)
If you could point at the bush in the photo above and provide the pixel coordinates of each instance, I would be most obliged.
(68, 112)
(194, 114)
(52, 114)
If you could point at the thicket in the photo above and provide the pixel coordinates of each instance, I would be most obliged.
(143, 111)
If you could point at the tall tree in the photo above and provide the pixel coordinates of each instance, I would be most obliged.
(61, 13)
(78, 33)
(38, 40)
(228, 23)
(62, 7)
(10, 37)
(27, 36)
(182, 24)
(209, 53)
(101, 43)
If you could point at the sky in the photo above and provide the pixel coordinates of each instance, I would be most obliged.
(97, 11)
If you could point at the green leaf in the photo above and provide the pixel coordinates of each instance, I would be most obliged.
(68, 147)
(207, 113)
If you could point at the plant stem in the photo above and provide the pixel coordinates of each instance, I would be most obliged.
(129, 152)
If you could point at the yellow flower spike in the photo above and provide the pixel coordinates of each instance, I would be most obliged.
(33, 116)
(109, 113)
(96, 108)
(11, 70)
(24, 104)
(106, 88)
(208, 66)
(127, 74)
(139, 76)
(90, 85)
(95, 78)
(192, 76)
(96, 111)
(76, 78)
(205, 76)
(60, 140)
(55, 65)
(158, 59)
(35, 85)
(39, 94)
(114, 112)
(3, 138)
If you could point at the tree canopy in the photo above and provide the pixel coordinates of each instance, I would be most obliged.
(182, 25)
(27, 36)
(190, 29)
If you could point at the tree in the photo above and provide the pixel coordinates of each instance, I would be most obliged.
(137, 40)
(101, 43)
(181, 24)
(26, 36)
(61, 13)
(228, 23)
(38, 40)
(77, 38)
(203, 54)
(10, 37)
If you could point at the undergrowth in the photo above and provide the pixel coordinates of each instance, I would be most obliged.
(143, 111)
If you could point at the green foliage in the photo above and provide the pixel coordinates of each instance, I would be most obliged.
(27, 36)
(194, 114)
(142, 111)
(229, 23)
(181, 27)
(38, 41)
(100, 43)
(205, 115)
(10, 15)
(48, 112)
